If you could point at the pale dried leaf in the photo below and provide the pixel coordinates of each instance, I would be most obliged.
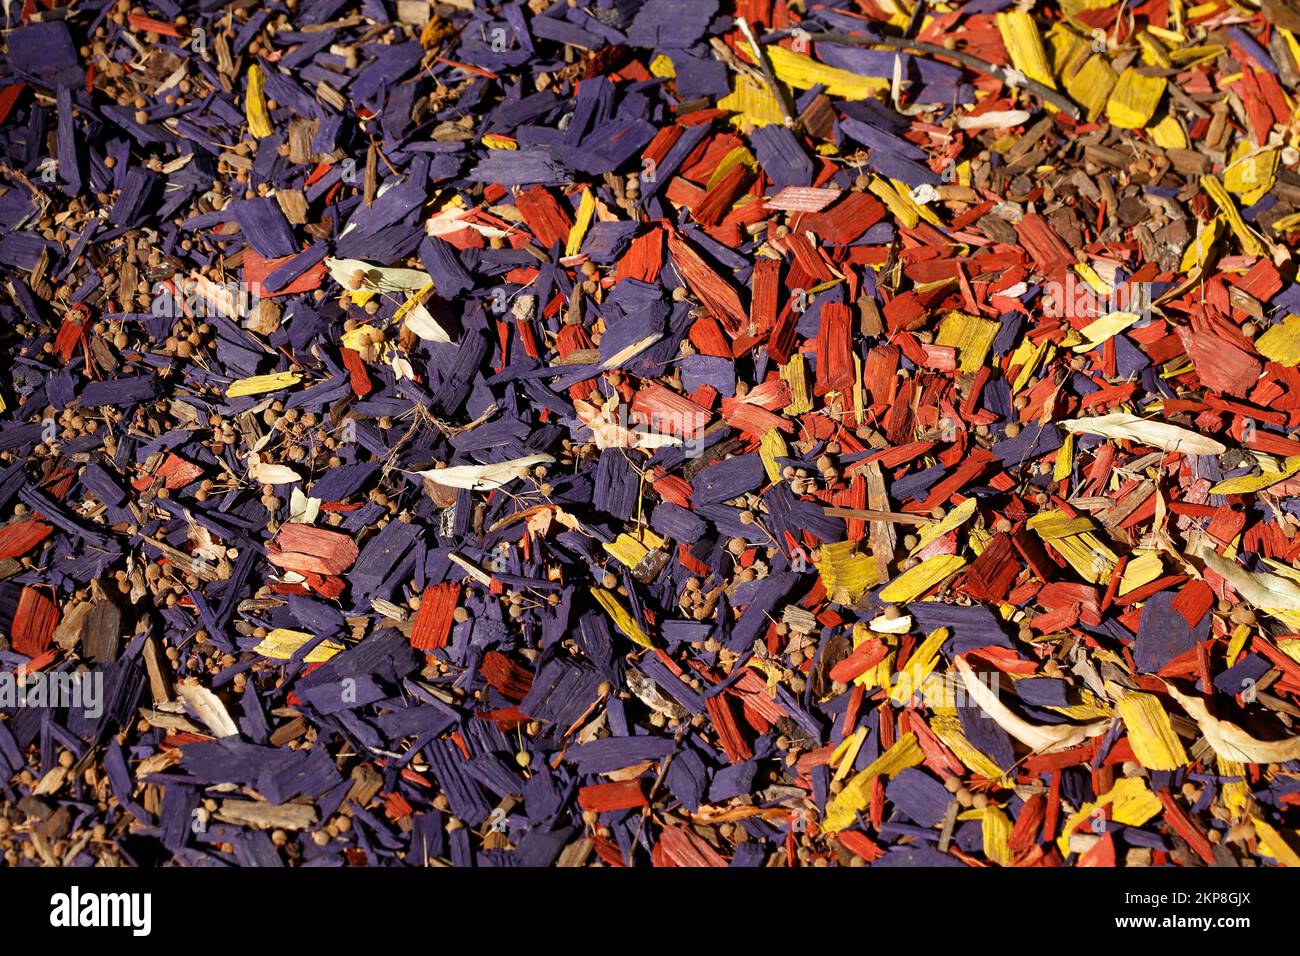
(485, 477)
(1269, 592)
(1041, 738)
(377, 278)
(268, 474)
(1231, 742)
(1157, 434)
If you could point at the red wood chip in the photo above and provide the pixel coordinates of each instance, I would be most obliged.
(306, 549)
(34, 621)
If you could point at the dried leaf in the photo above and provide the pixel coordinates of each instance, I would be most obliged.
(1040, 738)
(1156, 434)
(485, 477)
(1231, 742)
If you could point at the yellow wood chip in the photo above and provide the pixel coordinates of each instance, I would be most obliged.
(753, 104)
(1090, 85)
(621, 617)
(662, 66)
(1075, 7)
(281, 644)
(1287, 223)
(1028, 356)
(1025, 46)
(1131, 803)
(1140, 570)
(1089, 275)
(1073, 539)
(1243, 484)
(1106, 327)
(1051, 525)
(633, 549)
(1281, 342)
(1249, 244)
(951, 521)
(1271, 843)
(1250, 172)
(855, 796)
(803, 72)
(971, 336)
(257, 384)
(795, 374)
(947, 727)
(1167, 133)
(1234, 793)
(996, 830)
(1170, 37)
(919, 666)
(925, 212)
(1192, 55)
(1155, 745)
(904, 211)
(259, 120)
(914, 582)
(362, 337)
(771, 447)
(1153, 52)
(859, 393)
(413, 302)
(846, 754)
(1236, 643)
(846, 571)
(586, 209)
(1198, 250)
(1134, 99)
(1064, 459)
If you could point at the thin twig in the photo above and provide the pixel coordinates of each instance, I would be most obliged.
(872, 514)
(765, 64)
(1011, 78)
